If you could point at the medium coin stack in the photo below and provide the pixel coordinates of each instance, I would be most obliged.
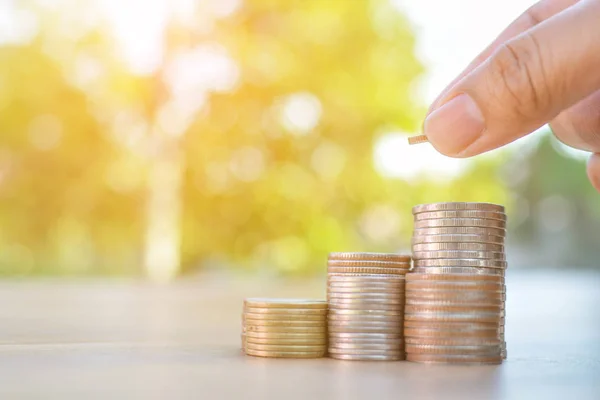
(365, 292)
(284, 328)
(455, 295)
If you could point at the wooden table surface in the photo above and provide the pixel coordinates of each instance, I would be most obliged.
(133, 340)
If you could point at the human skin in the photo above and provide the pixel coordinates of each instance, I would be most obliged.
(544, 68)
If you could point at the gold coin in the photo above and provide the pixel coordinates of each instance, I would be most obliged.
(299, 312)
(452, 206)
(458, 246)
(365, 279)
(285, 354)
(453, 359)
(461, 214)
(489, 255)
(257, 302)
(477, 222)
(369, 256)
(459, 230)
(284, 347)
(418, 139)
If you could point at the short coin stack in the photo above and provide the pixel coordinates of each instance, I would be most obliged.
(455, 294)
(365, 292)
(284, 328)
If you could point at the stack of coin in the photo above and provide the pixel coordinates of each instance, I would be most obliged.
(284, 328)
(455, 295)
(365, 292)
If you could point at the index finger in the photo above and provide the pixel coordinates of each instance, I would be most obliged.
(536, 14)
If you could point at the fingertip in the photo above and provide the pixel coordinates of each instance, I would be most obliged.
(593, 170)
(454, 126)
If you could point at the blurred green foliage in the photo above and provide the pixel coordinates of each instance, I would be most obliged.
(87, 146)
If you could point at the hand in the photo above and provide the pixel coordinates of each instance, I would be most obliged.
(545, 67)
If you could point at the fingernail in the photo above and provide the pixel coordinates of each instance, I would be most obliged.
(455, 125)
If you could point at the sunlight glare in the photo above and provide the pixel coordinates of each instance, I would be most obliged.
(395, 158)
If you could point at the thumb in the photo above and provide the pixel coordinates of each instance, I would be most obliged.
(524, 84)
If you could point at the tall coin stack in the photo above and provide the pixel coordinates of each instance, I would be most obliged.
(284, 328)
(365, 292)
(456, 292)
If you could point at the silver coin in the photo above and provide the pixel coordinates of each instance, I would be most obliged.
(261, 302)
(368, 256)
(452, 326)
(375, 318)
(477, 222)
(378, 292)
(459, 270)
(331, 269)
(367, 295)
(365, 329)
(463, 317)
(368, 263)
(462, 302)
(350, 340)
(364, 278)
(418, 239)
(463, 262)
(457, 246)
(286, 311)
(383, 313)
(284, 317)
(333, 350)
(367, 285)
(456, 295)
(460, 230)
(365, 336)
(457, 205)
(366, 346)
(364, 357)
(460, 214)
(452, 342)
(340, 304)
(459, 254)
(370, 323)
(450, 287)
(286, 335)
(460, 349)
